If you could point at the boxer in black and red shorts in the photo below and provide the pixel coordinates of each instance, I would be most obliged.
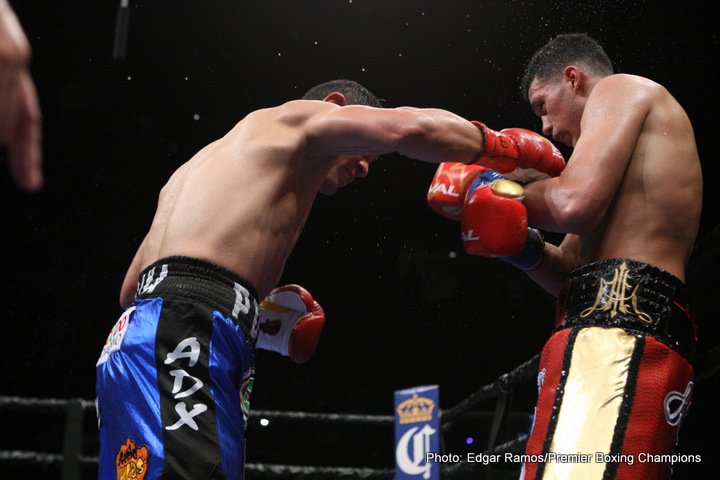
(615, 375)
(615, 378)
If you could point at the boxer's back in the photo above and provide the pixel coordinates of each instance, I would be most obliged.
(241, 201)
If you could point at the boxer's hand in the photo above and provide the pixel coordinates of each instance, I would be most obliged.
(290, 323)
(533, 155)
(494, 219)
(448, 188)
(531, 255)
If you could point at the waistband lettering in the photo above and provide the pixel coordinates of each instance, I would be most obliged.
(148, 282)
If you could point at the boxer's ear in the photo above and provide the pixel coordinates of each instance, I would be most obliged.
(335, 97)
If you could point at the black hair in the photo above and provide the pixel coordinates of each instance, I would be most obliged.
(355, 94)
(561, 51)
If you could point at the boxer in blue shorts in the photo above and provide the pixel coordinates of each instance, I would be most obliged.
(179, 366)
(175, 373)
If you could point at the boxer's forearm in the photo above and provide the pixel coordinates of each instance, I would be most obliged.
(557, 263)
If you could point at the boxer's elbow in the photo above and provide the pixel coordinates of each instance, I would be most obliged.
(579, 213)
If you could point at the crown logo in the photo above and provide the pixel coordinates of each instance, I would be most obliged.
(416, 409)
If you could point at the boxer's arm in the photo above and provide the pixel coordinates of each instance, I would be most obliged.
(431, 135)
(20, 116)
(557, 263)
(577, 200)
(14, 47)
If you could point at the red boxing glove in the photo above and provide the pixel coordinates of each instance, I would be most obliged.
(531, 154)
(290, 323)
(446, 194)
(494, 219)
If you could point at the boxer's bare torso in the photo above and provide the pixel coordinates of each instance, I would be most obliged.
(241, 202)
(654, 217)
(633, 185)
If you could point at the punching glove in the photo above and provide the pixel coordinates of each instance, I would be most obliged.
(449, 186)
(522, 154)
(494, 219)
(290, 322)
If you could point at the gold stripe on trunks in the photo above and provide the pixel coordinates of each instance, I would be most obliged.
(591, 401)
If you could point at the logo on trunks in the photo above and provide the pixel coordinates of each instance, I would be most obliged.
(612, 297)
(246, 391)
(115, 338)
(677, 405)
(189, 349)
(540, 382)
(131, 462)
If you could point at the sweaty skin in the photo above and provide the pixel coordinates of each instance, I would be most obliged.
(633, 185)
(241, 201)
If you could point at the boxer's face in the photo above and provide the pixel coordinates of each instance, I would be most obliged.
(552, 100)
(344, 171)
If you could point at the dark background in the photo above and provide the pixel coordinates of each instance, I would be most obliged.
(405, 305)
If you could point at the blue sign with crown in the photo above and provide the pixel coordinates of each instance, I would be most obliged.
(417, 433)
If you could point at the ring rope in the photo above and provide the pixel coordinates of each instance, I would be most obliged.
(462, 468)
(52, 405)
(23, 457)
(60, 405)
(322, 417)
(501, 386)
(504, 384)
(298, 472)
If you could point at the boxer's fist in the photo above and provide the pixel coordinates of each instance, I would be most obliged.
(516, 149)
(446, 194)
(494, 219)
(290, 323)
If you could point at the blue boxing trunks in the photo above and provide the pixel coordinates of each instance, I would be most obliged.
(175, 375)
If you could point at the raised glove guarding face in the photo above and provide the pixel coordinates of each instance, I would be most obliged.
(446, 195)
(494, 223)
(494, 219)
